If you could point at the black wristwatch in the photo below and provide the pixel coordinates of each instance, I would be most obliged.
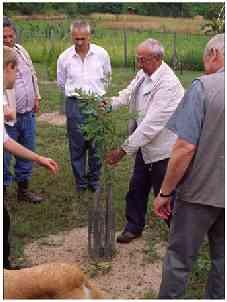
(165, 195)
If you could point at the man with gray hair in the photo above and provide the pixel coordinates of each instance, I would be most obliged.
(84, 66)
(24, 129)
(153, 95)
(196, 169)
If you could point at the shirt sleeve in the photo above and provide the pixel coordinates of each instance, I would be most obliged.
(164, 103)
(187, 121)
(107, 71)
(61, 76)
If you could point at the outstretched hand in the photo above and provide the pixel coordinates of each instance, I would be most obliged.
(48, 163)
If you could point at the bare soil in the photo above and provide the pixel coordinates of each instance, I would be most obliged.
(53, 118)
(130, 275)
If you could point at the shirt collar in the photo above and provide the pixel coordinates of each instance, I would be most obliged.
(156, 75)
(222, 69)
(90, 51)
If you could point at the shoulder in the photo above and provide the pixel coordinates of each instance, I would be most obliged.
(210, 79)
(168, 72)
(21, 48)
(67, 52)
(167, 76)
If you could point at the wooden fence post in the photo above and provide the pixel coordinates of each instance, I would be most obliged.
(174, 57)
(125, 48)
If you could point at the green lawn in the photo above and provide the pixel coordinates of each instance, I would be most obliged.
(62, 209)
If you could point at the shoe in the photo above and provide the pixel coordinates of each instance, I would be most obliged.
(24, 195)
(126, 237)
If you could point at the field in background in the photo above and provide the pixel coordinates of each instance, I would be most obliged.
(45, 40)
(160, 24)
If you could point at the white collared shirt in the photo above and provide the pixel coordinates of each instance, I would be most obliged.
(154, 101)
(91, 75)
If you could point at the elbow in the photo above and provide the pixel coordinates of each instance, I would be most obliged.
(186, 148)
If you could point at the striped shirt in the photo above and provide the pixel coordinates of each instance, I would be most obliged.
(24, 88)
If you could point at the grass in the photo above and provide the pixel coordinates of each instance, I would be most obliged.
(62, 209)
(189, 25)
(52, 37)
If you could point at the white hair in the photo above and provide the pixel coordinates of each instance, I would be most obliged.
(217, 42)
(154, 46)
(80, 25)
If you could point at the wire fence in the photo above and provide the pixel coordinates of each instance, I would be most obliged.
(183, 51)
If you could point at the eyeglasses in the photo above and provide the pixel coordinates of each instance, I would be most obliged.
(144, 59)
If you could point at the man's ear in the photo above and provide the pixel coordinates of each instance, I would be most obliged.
(214, 53)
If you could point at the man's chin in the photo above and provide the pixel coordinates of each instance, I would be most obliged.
(10, 86)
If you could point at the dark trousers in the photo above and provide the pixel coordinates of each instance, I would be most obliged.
(83, 153)
(145, 177)
(6, 246)
(189, 225)
(23, 132)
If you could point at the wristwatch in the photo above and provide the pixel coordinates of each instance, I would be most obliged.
(165, 195)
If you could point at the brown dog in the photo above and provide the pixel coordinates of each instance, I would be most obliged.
(49, 281)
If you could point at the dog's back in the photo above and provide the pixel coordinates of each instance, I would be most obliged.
(49, 281)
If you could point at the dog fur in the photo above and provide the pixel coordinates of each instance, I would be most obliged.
(49, 281)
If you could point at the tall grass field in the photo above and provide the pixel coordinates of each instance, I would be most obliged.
(45, 40)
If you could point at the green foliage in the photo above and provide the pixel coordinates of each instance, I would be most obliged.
(99, 125)
(216, 24)
(170, 9)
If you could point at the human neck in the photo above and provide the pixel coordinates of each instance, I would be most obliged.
(82, 51)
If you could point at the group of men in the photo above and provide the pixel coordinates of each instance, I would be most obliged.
(177, 140)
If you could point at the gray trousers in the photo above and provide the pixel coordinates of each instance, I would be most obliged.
(190, 223)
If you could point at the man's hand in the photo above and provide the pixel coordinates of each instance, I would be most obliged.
(48, 163)
(105, 105)
(162, 206)
(114, 156)
(9, 114)
(37, 104)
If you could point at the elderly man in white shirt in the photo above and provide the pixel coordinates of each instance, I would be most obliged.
(84, 66)
(154, 95)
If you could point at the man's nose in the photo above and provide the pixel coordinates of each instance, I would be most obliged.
(7, 41)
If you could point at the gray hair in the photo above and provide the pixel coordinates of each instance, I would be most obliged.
(80, 25)
(7, 22)
(217, 42)
(154, 46)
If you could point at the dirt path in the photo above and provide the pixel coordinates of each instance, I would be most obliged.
(53, 118)
(129, 276)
